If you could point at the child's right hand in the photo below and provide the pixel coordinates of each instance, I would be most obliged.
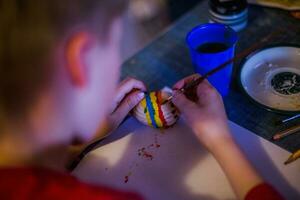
(206, 116)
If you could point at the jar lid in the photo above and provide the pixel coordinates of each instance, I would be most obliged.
(228, 7)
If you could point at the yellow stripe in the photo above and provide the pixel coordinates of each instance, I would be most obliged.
(144, 105)
(155, 107)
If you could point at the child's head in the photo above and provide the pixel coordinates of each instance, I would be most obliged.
(59, 57)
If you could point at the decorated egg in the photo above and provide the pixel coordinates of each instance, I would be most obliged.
(155, 111)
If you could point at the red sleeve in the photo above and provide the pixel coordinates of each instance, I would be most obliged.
(263, 191)
(34, 184)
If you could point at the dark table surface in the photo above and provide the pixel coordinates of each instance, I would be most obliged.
(166, 60)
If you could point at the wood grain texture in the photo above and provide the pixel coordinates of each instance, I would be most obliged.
(166, 60)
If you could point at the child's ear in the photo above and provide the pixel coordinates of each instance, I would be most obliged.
(75, 52)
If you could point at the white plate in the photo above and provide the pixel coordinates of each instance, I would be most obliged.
(271, 77)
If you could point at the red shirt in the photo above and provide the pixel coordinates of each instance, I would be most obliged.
(263, 191)
(44, 184)
(36, 184)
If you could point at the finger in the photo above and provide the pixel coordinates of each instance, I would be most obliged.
(204, 86)
(180, 84)
(182, 102)
(206, 92)
(127, 104)
(126, 87)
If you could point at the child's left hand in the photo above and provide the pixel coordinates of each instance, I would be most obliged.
(129, 93)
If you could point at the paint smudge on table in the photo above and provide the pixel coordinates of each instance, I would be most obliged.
(146, 152)
(126, 178)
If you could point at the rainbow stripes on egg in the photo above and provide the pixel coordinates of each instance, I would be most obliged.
(152, 112)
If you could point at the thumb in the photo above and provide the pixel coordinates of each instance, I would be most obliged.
(127, 105)
(131, 101)
(182, 102)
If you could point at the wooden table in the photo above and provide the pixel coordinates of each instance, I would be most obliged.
(166, 60)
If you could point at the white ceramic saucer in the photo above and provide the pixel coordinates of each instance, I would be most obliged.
(271, 77)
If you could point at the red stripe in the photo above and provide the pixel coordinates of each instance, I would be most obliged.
(160, 113)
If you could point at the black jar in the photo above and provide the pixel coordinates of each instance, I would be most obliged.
(233, 13)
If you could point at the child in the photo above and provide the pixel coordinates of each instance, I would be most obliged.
(59, 69)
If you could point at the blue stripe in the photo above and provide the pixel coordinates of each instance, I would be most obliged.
(151, 110)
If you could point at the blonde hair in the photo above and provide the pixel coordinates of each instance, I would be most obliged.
(29, 29)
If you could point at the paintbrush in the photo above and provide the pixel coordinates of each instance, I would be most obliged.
(293, 157)
(287, 120)
(243, 54)
(286, 133)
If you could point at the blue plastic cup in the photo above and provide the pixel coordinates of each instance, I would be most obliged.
(204, 62)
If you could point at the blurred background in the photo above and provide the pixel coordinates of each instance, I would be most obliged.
(145, 19)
